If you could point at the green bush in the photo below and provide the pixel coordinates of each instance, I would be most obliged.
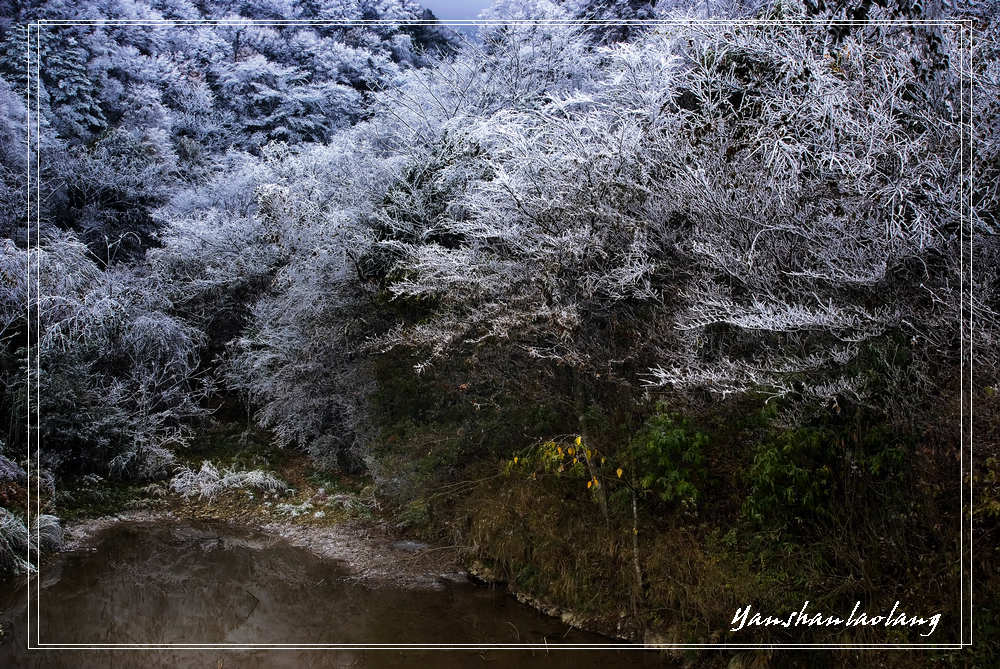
(801, 474)
(668, 458)
(791, 476)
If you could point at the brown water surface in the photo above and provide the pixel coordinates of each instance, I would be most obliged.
(188, 582)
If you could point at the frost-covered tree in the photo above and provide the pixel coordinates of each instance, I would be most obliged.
(216, 256)
(300, 358)
(155, 106)
(112, 187)
(739, 208)
(265, 261)
(275, 102)
(116, 373)
(823, 196)
(13, 160)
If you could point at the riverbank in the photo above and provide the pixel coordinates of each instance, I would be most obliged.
(516, 525)
(335, 516)
(367, 552)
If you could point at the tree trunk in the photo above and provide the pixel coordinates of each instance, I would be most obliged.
(637, 595)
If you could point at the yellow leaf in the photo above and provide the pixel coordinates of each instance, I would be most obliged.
(589, 483)
(515, 461)
(597, 484)
(602, 461)
(559, 450)
(619, 472)
(570, 450)
(578, 441)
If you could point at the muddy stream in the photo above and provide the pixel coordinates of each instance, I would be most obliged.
(206, 583)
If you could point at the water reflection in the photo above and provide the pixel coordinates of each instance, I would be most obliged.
(203, 583)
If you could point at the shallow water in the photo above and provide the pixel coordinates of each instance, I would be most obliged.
(205, 583)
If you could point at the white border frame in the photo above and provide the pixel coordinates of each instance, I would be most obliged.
(965, 28)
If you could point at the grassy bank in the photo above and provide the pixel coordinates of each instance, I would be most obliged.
(312, 496)
(654, 524)
(734, 505)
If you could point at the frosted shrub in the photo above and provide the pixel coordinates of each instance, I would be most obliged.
(10, 470)
(19, 547)
(208, 482)
(47, 532)
(14, 545)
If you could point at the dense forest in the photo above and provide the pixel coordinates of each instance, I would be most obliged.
(653, 317)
